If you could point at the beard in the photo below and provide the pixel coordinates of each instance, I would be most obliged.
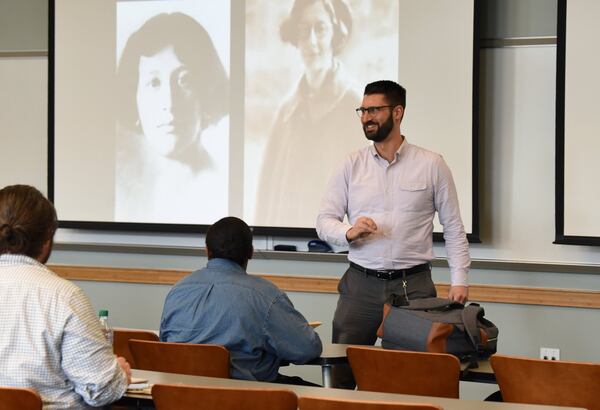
(382, 132)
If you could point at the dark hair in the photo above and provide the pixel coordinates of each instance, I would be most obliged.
(341, 19)
(394, 93)
(27, 220)
(193, 46)
(230, 238)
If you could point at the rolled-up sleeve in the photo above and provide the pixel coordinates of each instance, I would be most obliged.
(87, 357)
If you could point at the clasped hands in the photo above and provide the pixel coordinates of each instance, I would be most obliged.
(363, 227)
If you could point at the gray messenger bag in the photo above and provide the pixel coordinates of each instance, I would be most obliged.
(438, 325)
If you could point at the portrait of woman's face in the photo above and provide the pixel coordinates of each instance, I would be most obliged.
(315, 36)
(167, 106)
(172, 126)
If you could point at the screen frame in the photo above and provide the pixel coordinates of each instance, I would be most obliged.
(294, 232)
(561, 64)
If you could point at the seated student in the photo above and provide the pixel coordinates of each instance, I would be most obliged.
(51, 339)
(222, 304)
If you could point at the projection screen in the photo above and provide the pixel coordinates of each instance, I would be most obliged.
(578, 124)
(168, 115)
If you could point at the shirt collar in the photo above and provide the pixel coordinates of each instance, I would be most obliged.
(12, 259)
(219, 263)
(398, 153)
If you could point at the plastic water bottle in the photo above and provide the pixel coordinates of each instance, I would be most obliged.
(105, 325)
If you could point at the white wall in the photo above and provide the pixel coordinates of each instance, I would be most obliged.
(23, 116)
(518, 155)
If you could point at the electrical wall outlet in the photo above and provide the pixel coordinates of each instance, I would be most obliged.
(549, 353)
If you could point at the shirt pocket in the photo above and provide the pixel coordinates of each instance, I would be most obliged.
(414, 196)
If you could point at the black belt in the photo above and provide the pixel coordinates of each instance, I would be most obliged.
(391, 274)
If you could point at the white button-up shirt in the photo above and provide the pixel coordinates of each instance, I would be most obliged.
(51, 341)
(402, 198)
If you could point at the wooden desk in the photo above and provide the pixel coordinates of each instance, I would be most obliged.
(332, 354)
(481, 374)
(302, 391)
(336, 353)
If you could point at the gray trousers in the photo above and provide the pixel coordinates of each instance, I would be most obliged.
(360, 310)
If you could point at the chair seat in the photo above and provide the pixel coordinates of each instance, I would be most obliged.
(558, 383)
(16, 398)
(121, 338)
(183, 358)
(178, 397)
(319, 403)
(404, 372)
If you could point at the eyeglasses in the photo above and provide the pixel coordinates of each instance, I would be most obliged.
(360, 111)
(320, 29)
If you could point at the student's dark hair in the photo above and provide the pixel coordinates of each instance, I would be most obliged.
(230, 238)
(194, 48)
(339, 13)
(27, 220)
(394, 93)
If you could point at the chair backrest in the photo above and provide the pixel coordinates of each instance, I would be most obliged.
(182, 358)
(178, 397)
(121, 339)
(396, 371)
(558, 383)
(15, 398)
(320, 403)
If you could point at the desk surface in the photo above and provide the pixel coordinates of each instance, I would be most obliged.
(304, 391)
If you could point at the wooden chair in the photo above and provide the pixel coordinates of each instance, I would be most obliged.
(178, 397)
(16, 398)
(396, 371)
(121, 339)
(182, 358)
(320, 403)
(558, 383)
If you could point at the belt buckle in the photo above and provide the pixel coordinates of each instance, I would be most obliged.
(383, 274)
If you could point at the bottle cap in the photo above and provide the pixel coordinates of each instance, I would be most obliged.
(103, 313)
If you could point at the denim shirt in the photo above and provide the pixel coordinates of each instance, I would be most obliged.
(257, 323)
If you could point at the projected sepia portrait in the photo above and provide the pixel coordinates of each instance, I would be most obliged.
(173, 121)
(181, 112)
(321, 53)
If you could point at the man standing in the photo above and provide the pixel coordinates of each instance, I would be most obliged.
(390, 192)
(51, 340)
(222, 304)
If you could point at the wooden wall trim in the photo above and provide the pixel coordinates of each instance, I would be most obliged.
(481, 293)
(127, 275)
